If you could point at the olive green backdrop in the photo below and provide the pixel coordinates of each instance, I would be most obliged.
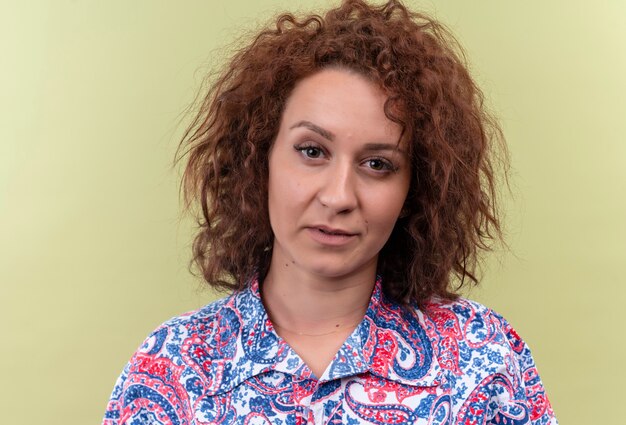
(93, 253)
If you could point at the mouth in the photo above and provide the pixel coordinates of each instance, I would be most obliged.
(333, 232)
(330, 237)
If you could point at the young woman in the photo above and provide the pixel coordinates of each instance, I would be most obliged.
(345, 171)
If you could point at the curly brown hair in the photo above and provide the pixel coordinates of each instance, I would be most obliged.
(450, 214)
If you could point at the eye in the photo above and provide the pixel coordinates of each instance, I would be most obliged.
(309, 151)
(380, 164)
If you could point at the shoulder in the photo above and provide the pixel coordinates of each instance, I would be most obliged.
(471, 322)
(170, 341)
(190, 319)
(473, 339)
(486, 359)
(173, 361)
(202, 326)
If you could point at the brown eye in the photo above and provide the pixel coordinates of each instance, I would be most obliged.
(313, 152)
(310, 152)
(379, 164)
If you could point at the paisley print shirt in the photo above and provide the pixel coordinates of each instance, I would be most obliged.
(449, 363)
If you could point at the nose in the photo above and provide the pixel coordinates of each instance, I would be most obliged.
(338, 189)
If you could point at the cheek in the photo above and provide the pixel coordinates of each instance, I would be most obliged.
(275, 200)
(384, 210)
(286, 196)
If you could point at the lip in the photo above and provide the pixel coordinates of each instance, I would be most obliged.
(329, 236)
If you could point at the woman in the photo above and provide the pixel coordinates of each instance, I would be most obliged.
(344, 168)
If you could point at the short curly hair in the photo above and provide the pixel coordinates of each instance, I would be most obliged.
(450, 214)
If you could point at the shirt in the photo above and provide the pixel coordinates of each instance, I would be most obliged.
(449, 363)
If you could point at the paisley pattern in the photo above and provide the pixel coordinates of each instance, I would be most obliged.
(450, 363)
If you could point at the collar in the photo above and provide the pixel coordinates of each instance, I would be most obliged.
(389, 343)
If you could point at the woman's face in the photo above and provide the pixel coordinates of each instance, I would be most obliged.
(338, 176)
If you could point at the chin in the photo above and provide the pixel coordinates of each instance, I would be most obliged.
(336, 271)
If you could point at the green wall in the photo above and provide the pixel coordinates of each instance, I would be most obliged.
(93, 252)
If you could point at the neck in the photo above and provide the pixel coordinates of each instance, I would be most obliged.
(310, 305)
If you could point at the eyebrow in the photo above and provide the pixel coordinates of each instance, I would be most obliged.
(316, 128)
(384, 147)
(331, 137)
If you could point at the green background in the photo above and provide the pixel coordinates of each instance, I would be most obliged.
(93, 251)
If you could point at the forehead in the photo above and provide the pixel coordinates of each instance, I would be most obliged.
(342, 102)
(329, 85)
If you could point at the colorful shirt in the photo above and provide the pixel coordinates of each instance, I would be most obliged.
(449, 363)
